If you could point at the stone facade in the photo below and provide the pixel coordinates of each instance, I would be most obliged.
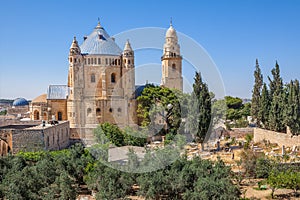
(50, 106)
(172, 61)
(34, 137)
(281, 139)
(101, 84)
(58, 109)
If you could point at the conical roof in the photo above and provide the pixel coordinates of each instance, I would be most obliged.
(127, 46)
(100, 43)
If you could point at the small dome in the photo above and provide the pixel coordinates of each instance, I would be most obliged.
(20, 102)
(171, 32)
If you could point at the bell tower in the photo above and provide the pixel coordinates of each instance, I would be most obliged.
(171, 61)
(128, 70)
(75, 84)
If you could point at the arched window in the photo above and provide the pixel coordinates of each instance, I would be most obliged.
(89, 110)
(45, 116)
(93, 78)
(98, 111)
(110, 110)
(119, 109)
(129, 62)
(59, 116)
(173, 66)
(36, 115)
(88, 61)
(99, 61)
(113, 77)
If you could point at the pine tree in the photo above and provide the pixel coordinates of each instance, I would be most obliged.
(199, 119)
(264, 107)
(292, 110)
(276, 114)
(256, 94)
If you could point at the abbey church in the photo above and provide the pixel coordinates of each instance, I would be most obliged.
(101, 84)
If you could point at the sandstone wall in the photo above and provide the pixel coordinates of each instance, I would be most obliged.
(51, 137)
(285, 139)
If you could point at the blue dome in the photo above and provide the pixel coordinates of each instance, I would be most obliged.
(20, 102)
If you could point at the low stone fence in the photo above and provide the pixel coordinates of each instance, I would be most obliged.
(240, 132)
(281, 139)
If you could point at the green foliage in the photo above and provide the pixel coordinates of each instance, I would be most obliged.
(233, 102)
(57, 175)
(256, 93)
(199, 116)
(292, 109)
(279, 106)
(134, 138)
(109, 183)
(3, 112)
(43, 175)
(292, 180)
(263, 114)
(237, 111)
(263, 167)
(218, 108)
(276, 114)
(249, 159)
(275, 181)
(153, 103)
(195, 179)
(107, 133)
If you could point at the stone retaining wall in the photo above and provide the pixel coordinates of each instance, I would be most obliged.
(285, 139)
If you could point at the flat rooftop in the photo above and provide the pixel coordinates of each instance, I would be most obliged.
(30, 126)
(18, 126)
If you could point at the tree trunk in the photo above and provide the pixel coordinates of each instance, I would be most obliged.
(202, 146)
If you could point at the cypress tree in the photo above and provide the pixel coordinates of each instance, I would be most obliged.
(292, 110)
(264, 107)
(275, 84)
(256, 94)
(276, 114)
(199, 119)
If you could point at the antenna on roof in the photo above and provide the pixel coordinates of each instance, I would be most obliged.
(171, 21)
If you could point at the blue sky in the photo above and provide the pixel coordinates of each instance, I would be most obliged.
(36, 35)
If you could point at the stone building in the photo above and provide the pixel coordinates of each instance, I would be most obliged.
(34, 137)
(19, 108)
(50, 106)
(172, 61)
(101, 84)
